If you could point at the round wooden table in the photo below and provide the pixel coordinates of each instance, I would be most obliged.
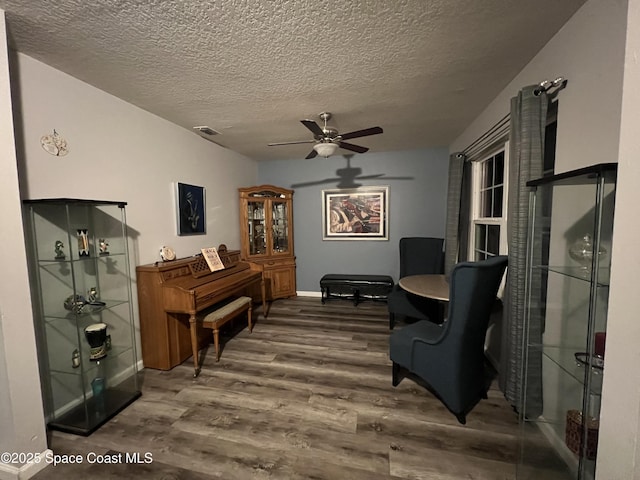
(430, 286)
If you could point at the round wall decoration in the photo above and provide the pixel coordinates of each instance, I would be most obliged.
(54, 144)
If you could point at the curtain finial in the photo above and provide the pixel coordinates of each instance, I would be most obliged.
(547, 85)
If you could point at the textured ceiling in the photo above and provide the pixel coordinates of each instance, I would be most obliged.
(252, 69)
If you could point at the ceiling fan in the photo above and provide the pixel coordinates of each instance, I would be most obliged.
(327, 139)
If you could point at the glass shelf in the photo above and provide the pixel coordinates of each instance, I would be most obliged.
(114, 356)
(565, 359)
(579, 273)
(54, 261)
(63, 314)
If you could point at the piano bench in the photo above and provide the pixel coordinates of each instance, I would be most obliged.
(375, 287)
(219, 315)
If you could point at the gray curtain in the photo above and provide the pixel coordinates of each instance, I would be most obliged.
(452, 229)
(465, 222)
(528, 120)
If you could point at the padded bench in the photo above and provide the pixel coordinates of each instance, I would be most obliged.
(220, 314)
(376, 287)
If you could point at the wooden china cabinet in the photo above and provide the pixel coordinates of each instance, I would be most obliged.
(266, 231)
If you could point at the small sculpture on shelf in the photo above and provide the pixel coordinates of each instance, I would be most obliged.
(92, 294)
(259, 243)
(104, 247)
(94, 304)
(83, 242)
(75, 358)
(59, 250)
(75, 303)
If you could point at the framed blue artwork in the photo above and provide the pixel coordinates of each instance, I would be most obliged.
(190, 209)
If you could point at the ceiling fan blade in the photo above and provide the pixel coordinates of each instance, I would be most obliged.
(312, 154)
(289, 143)
(362, 133)
(352, 147)
(314, 127)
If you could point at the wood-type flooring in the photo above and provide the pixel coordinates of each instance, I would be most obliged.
(307, 395)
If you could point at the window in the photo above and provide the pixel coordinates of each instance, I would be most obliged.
(488, 204)
(489, 178)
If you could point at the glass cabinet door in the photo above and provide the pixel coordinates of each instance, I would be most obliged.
(280, 227)
(266, 233)
(79, 270)
(257, 227)
(571, 234)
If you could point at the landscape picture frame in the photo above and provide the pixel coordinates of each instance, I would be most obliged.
(355, 213)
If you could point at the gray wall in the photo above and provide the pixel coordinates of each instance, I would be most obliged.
(417, 183)
(21, 415)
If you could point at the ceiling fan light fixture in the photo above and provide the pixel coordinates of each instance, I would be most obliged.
(325, 149)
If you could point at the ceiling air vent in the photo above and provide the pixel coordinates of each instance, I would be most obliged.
(206, 130)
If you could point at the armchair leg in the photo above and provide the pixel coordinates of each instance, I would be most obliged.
(392, 321)
(462, 418)
(396, 377)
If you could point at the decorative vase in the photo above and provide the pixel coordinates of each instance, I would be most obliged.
(574, 434)
(582, 251)
(97, 337)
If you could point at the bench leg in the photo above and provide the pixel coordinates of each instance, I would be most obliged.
(216, 342)
(250, 317)
(356, 296)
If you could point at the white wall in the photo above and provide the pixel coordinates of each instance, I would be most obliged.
(21, 415)
(590, 52)
(117, 152)
(620, 417)
(120, 152)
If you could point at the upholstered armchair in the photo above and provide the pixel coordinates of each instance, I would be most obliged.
(449, 358)
(418, 255)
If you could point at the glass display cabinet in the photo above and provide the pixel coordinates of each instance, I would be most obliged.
(266, 229)
(567, 291)
(81, 294)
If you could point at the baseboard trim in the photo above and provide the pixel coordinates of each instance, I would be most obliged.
(28, 470)
(559, 445)
(309, 294)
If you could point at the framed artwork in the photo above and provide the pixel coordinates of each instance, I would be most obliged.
(355, 214)
(190, 209)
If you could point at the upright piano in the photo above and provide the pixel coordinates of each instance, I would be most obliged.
(171, 294)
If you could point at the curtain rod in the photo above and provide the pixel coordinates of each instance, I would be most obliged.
(487, 138)
(498, 127)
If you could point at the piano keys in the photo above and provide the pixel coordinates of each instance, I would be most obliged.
(171, 294)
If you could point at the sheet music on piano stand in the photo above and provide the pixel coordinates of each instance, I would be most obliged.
(213, 259)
